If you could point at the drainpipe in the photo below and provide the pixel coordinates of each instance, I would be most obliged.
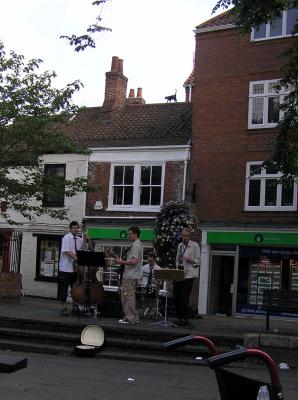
(184, 179)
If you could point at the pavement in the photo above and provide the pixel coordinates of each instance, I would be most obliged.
(38, 320)
(49, 377)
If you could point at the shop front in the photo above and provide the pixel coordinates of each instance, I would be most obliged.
(243, 264)
(114, 242)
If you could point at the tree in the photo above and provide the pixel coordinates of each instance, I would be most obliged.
(252, 13)
(31, 114)
(86, 40)
(172, 218)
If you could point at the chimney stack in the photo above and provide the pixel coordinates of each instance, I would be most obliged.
(135, 100)
(116, 86)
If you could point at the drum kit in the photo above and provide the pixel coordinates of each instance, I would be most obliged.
(149, 301)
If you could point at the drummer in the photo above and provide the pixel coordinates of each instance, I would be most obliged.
(148, 269)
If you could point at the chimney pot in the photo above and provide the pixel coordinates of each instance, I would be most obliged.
(139, 93)
(131, 93)
(115, 63)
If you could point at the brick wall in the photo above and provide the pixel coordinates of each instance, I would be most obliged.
(99, 177)
(10, 285)
(173, 181)
(222, 144)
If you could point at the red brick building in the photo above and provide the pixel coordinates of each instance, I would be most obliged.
(249, 222)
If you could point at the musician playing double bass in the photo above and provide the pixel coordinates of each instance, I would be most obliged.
(71, 242)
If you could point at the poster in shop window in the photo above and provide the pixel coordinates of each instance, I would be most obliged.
(48, 268)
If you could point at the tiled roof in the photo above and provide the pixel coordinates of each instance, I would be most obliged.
(224, 18)
(191, 79)
(133, 125)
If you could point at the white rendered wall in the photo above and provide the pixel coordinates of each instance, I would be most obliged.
(76, 165)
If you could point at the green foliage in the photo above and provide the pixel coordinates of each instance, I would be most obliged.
(252, 13)
(31, 113)
(86, 40)
(172, 218)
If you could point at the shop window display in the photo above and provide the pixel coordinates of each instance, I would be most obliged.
(264, 274)
(47, 258)
(258, 273)
(294, 275)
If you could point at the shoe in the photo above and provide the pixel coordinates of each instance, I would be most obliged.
(64, 312)
(182, 322)
(123, 321)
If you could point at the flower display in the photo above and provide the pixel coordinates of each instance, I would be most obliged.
(172, 218)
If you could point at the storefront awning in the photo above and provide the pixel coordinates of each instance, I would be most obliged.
(118, 233)
(253, 238)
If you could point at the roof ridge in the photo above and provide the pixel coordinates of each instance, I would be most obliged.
(215, 18)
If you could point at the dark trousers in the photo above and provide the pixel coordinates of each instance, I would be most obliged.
(182, 291)
(66, 279)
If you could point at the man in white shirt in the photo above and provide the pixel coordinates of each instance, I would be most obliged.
(188, 259)
(68, 258)
(149, 284)
(148, 279)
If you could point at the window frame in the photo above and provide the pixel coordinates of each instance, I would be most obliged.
(268, 37)
(265, 95)
(54, 204)
(135, 206)
(263, 177)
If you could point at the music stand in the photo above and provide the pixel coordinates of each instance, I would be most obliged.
(91, 258)
(167, 275)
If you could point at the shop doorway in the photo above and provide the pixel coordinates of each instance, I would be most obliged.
(221, 284)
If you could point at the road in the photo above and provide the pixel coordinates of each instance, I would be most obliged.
(50, 377)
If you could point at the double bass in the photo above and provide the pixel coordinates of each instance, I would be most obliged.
(87, 290)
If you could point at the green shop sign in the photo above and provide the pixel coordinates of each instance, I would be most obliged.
(118, 233)
(249, 238)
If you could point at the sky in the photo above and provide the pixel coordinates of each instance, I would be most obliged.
(155, 39)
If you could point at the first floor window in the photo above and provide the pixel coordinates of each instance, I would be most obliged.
(54, 176)
(123, 185)
(279, 27)
(48, 249)
(264, 101)
(150, 185)
(264, 192)
(136, 186)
